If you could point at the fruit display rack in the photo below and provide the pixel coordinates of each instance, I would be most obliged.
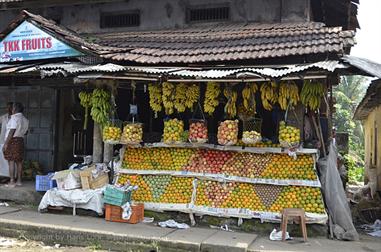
(208, 179)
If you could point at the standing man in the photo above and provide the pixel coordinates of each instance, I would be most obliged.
(4, 167)
(13, 149)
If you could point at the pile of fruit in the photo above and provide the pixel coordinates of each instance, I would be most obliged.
(173, 131)
(308, 198)
(288, 136)
(160, 188)
(249, 165)
(282, 166)
(228, 132)
(198, 132)
(258, 197)
(251, 137)
(132, 133)
(208, 161)
(111, 134)
(171, 159)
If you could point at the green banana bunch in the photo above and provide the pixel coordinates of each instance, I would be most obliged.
(85, 101)
(100, 106)
(311, 94)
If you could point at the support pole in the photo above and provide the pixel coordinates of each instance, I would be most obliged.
(97, 144)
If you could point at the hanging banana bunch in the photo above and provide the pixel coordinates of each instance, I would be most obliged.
(180, 97)
(168, 97)
(155, 98)
(269, 94)
(288, 94)
(230, 107)
(85, 100)
(211, 97)
(311, 94)
(192, 95)
(248, 97)
(101, 107)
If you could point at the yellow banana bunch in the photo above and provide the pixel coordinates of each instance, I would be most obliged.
(100, 106)
(230, 107)
(288, 94)
(192, 96)
(269, 95)
(311, 94)
(180, 97)
(211, 97)
(248, 97)
(155, 99)
(85, 100)
(168, 97)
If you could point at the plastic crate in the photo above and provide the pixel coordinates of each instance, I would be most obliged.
(114, 213)
(45, 182)
(114, 196)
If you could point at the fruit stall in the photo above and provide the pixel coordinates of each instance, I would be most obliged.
(213, 157)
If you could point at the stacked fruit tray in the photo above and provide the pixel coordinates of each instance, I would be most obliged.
(247, 167)
(223, 183)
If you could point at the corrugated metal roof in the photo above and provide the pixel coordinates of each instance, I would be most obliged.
(365, 65)
(371, 100)
(74, 68)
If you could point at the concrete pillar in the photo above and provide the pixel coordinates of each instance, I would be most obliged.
(97, 144)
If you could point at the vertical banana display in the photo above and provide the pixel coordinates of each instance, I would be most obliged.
(101, 107)
(155, 98)
(168, 97)
(248, 97)
(211, 97)
(85, 100)
(230, 107)
(311, 94)
(269, 95)
(288, 94)
(192, 96)
(180, 97)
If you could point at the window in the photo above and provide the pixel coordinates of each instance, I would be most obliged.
(208, 14)
(120, 19)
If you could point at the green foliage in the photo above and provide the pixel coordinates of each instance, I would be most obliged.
(348, 95)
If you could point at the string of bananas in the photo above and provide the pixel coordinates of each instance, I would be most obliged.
(192, 95)
(155, 98)
(101, 107)
(288, 94)
(311, 94)
(248, 97)
(269, 95)
(211, 97)
(85, 100)
(230, 107)
(168, 97)
(180, 97)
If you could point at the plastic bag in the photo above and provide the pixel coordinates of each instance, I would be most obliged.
(228, 132)
(277, 235)
(198, 131)
(173, 131)
(335, 197)
(112, 132)
(132, 133)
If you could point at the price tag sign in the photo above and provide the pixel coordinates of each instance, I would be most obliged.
(133, 109)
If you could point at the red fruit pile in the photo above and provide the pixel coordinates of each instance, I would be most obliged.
(198, 132)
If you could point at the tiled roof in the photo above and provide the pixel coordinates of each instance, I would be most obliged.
(203, 44)
(227, 42)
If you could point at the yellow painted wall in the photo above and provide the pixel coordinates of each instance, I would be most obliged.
(373, 169)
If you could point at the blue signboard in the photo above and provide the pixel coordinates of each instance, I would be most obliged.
(28, 42)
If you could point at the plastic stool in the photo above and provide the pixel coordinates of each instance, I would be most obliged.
(294, 212)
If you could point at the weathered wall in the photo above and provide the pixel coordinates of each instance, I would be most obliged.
(161, 14)
(373, 171)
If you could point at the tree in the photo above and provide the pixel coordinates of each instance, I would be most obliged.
(348, 95)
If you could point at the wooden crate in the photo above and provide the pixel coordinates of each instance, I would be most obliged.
(114, 213)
